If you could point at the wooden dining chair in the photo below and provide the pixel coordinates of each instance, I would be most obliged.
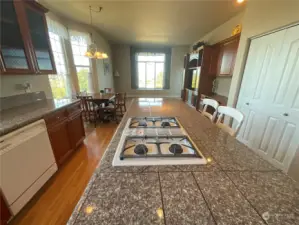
(234, 114)
(122, 102)
(83, 105)
(212, 103)
(89, 109)
(112, 108)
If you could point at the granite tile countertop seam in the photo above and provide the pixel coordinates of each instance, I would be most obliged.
(15, 118)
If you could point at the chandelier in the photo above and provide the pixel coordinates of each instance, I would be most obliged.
(93, 50)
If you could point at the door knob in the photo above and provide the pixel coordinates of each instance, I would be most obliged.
(285, 114)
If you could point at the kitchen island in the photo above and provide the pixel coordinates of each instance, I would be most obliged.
(235, 187)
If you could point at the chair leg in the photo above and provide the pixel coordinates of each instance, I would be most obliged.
(121, 110)
(115, 117)
(125, 107)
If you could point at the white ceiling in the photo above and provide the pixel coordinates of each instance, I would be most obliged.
(150, 22)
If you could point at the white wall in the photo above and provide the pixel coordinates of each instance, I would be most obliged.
(122, 64)
(262, 16)
(38, 82)
(223, 31)
(220, 33)
(41, 82)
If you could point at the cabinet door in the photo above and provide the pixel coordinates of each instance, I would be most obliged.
(60, 142)
(5, 213)
(40, 40)
(76, 130)
(228, 52)
(15, 46)
(214, 56)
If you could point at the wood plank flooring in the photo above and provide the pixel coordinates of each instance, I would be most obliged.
(55, 202)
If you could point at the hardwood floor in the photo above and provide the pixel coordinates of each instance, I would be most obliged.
(55, 202)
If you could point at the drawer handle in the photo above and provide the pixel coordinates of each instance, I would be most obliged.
(286, 114)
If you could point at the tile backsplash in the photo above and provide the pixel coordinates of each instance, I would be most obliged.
(22, 99)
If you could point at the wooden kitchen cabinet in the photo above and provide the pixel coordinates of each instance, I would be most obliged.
(5, 213)
(76, 130)
(214, 60)
(66, 131)
(227, 55)
(60, 141)
(25, 44)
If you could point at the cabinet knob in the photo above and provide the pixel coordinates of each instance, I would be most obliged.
(286, 114)
(247, 103)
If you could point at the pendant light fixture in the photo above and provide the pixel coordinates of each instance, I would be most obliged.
(93, 50)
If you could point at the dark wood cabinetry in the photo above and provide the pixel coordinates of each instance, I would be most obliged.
(25, 44)
(76, 135)
(59, 137)
(66, 131)
(5, 213)
(198, 77)
(202, 68)
(227, 55)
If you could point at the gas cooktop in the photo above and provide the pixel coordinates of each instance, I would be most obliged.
(156, 141)
(154, 122)
(158, 146)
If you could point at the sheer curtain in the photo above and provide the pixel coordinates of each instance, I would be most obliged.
(61, 84)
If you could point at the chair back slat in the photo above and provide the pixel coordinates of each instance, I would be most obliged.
(233, 113)
(210, 102)
(86, 106)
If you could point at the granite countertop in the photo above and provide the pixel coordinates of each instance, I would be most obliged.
(17, 117)
(236, 187)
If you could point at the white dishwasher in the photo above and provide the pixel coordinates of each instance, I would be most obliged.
(26, 163)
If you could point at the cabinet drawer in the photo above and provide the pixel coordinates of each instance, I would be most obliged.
(55, 117)
(74, 109)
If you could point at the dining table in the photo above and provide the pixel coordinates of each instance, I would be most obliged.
(101, 100)
(102, 97)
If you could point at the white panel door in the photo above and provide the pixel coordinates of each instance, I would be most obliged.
(269, 97)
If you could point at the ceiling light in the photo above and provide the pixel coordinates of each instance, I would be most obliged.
(240, 1)
(92, 50)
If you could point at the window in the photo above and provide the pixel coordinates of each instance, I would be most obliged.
(58, 82)
(79, 46)
(150, 70)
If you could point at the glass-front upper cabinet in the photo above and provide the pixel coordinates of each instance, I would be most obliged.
(15, 54)
(25, 45)
(40, 40)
